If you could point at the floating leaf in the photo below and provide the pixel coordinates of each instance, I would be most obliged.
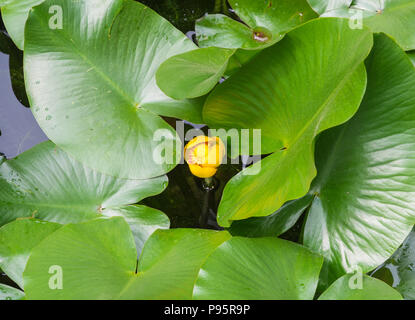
(371, 289)
(98, 260)
(10, 293)
(184, 13)
(14, 14)
(366, 171)
(256, 97)
(17, 239)
(258, 269)
(275, 224)
(92, 84)
(394, 17)
(265, 22)
(401, 267)
(411, 56)
(194, 73)
(45, 183)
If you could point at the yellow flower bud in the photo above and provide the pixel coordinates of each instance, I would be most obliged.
(204, 155)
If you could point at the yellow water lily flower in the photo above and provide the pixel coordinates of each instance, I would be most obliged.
(204, 155)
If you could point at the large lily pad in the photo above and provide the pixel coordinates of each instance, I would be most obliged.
(17, 239)
(259, 269)
(371, 289)
(92, 85)
(264, 23)
(394, 17)
(364, 208)
(257, 97)
(14, 14)
(47, 184)
(99, 261)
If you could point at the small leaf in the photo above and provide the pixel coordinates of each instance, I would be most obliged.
(194, 73)
(256, 97)
(371, 289)
(258, 269)
(366, 171)
(264, 23)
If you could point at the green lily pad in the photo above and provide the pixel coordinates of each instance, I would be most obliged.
(264, 23)
(364, 208)
(47, 184)
(98, 260)
(92, 85)
(256, 98)
(275, 224)
(17, 239)
(10, 293)
(258, 269)
(193, 74)
(14, 14)
(394, 17)
(371, 289)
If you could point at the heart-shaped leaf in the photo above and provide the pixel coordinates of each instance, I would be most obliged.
(14, 14)
(45, 183)
(256, 97)
(98, 260)
(259, 269)
(92, 86)
(394, 17)
(10, 293)
(265, 23)
(364, 205)
(348, 288)
(193, 74)
(17, 239)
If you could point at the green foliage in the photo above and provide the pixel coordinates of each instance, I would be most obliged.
(335, 103)
(167, 267)
(45, 183)
(106, 87)
(394, 17)
(319, 102)
(371, 289)
(264, 23)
